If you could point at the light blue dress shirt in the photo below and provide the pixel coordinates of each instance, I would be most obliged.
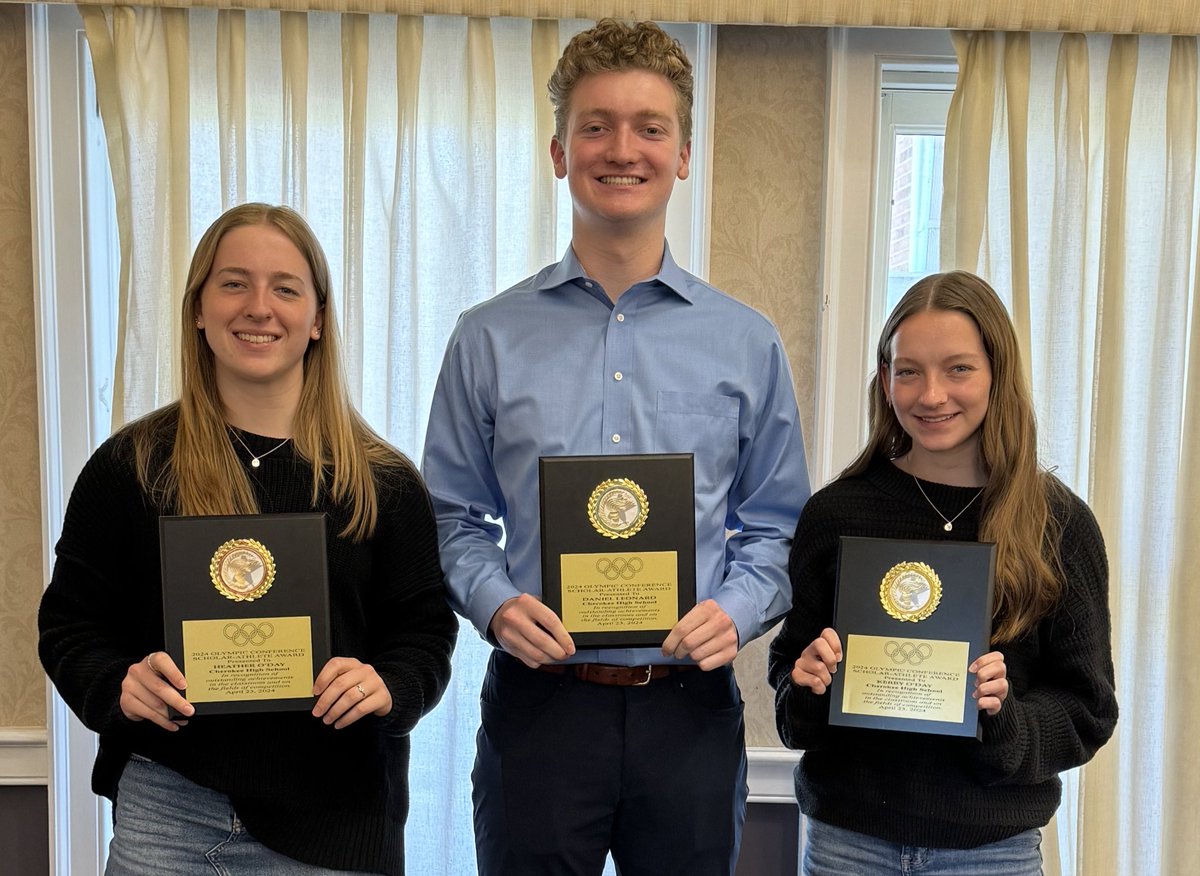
(552, 368)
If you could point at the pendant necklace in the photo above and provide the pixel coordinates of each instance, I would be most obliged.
(255, 457)
(949, 520)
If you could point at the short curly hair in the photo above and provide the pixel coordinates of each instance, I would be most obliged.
(612, 46)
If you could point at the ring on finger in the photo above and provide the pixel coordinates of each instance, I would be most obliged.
(359, 688)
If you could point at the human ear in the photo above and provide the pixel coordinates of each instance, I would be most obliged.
(558, 155)
(685, 157)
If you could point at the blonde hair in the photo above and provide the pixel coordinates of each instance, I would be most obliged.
(1018, 495)
(612, 46)
(203, 474)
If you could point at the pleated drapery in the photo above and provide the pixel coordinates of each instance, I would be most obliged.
(1071, 183)
(395, 136)
(1096, 16)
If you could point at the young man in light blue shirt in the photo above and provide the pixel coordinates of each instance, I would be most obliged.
(614, 350)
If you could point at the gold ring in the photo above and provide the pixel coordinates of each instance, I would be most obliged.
(361, 691)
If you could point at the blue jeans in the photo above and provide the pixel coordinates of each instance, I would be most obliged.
(834, 851)
(165, 824)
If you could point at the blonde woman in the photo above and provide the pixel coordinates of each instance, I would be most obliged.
(952, 454)
(263, 424)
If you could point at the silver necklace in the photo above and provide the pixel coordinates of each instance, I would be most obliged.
(949, 520)
(254, 458)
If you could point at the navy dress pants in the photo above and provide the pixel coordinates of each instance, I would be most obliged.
(567, 770)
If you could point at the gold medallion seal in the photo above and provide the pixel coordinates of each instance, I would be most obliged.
(618, 508)
(242, 569)
(910, 591)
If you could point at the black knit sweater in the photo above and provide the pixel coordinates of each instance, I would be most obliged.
(939, 791)
(334, 798)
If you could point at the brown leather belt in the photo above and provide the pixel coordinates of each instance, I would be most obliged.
(604, 673)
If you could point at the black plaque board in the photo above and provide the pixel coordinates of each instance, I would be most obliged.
(617, 580)
(246, 647)
(904, 665)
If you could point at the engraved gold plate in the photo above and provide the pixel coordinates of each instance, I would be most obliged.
(910, 591)
(618, 508)
(242, 569)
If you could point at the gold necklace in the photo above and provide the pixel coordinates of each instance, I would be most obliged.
(949, 520)
(254, 458)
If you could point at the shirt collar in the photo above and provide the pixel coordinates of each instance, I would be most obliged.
(670, 275)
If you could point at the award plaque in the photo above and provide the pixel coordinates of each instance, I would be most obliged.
(911, 615)
(618, 545)
(246, 609)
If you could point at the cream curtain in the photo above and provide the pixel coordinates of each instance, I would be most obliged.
(433, 124)
(1102, 16)
(418, 150)
(1071, 182)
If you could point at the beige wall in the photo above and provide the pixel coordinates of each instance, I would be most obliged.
(22, 685)
(766, 226)
(767, 166)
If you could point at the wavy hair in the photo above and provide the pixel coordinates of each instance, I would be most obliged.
(612, 46)
(1018, 495)
(203, 474)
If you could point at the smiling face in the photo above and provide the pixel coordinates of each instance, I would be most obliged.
(937, 382)
(258, 310)
(621, 152)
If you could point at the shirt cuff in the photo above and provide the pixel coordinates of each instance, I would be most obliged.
(487, 600)
(743, 612)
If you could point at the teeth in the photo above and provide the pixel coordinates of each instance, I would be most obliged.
(937, 419)
(254, 339)
(620, 180)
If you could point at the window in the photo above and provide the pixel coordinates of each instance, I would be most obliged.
(887, 110)
(912, 134)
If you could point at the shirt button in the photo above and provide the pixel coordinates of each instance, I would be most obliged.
(587, 283)
(620, 317)
(618, 375)
(616, 439)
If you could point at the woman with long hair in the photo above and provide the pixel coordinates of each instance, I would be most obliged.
(264, 424)
(952, 454)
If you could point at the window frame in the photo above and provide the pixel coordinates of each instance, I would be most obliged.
(857, 61)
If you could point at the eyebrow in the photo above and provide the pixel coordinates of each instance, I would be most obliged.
(274, 275)
(951, 358)
(644, 115)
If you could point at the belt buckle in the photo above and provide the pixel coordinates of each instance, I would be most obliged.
(645, 681)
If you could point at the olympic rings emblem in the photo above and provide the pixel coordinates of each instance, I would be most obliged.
(907, 652)
(248, 633)
(619, 567)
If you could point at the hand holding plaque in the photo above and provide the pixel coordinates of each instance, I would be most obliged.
(911, 615)
(618, 546)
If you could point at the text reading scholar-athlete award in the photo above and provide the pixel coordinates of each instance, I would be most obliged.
(246, 609)
(912, 615)
(618, 545)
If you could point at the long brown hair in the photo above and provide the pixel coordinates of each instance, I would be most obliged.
(203, 474)
(1017, 498)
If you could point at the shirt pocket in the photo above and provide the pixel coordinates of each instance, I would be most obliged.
(704, 425)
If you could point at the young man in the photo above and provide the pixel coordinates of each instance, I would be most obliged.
(614, 350)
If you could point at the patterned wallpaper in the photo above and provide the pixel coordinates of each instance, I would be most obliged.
(22, 684)
(768, 161)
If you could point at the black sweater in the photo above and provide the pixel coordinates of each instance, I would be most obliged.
(940, 791)
(334, 798)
